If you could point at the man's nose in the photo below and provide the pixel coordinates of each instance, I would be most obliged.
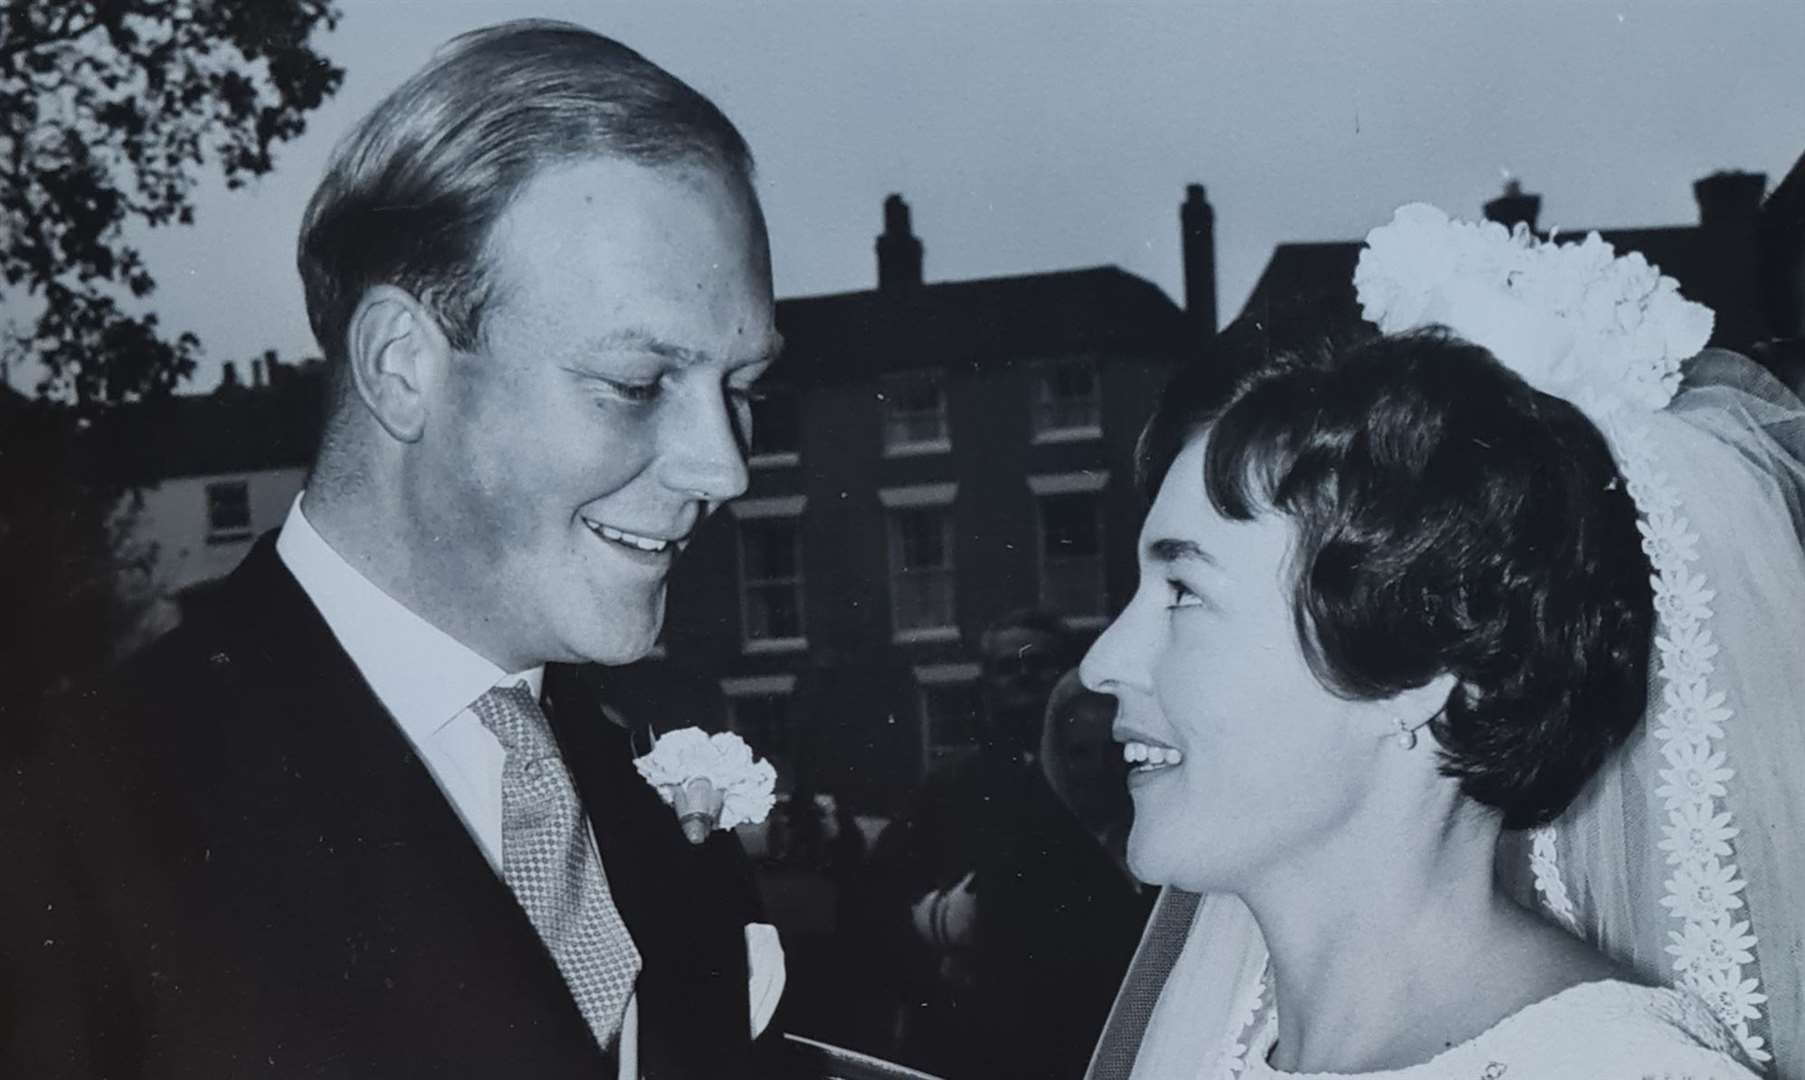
(704, 453)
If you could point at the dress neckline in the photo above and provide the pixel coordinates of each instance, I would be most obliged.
(1262, 1046)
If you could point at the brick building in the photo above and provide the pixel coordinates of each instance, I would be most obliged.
(930, 456)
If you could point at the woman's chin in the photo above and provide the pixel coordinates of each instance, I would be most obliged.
(1149, 859)
(1169, 857)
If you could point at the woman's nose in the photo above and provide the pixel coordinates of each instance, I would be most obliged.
(1109, 662)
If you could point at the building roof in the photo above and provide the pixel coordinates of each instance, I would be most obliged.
(248, 429)
(977, 324)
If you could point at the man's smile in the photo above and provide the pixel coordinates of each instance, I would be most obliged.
(638, 542)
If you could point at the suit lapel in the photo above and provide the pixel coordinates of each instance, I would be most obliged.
(683, 904)
(414, 885)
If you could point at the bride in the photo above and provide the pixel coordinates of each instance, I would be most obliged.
(1384, 681)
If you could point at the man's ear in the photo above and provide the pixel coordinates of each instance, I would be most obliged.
(397, 355)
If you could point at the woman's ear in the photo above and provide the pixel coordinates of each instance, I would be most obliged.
(397, 356)
(1414, 708)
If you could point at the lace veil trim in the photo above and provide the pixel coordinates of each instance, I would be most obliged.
(1713, 949)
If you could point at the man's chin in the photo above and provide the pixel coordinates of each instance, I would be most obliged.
(624, 642)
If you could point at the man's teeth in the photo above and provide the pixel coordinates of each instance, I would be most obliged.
(1150, 756)
(643, 543)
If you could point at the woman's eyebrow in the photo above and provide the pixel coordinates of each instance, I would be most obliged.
(1172, 549)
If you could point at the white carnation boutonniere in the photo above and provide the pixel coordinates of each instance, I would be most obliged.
(711, 781)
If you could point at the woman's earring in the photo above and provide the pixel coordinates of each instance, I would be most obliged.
(1406, 734)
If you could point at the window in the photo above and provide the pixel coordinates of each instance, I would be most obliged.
(921, 567)
(1067, 404)
(760, 709)
(776, 428)
(228, 511)
(921, 560)
(771, 573)
(1071, 544)
(915, 413)
(949, 708)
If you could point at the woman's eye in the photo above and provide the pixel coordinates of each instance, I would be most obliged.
(1179, 595)
(637, 393)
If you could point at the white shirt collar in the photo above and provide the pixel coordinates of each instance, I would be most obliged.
(422, 675)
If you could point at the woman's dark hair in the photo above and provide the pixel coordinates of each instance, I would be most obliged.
(1449, 518)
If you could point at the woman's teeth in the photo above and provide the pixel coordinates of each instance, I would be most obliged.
(1145, 756)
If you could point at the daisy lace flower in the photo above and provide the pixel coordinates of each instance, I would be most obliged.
(1692, 713)
(1731, 997)
(1231, 1056)
(1681, 597)
(1701, 891)
(1666, 542)
(1686, 652)
(1697, 772)
(1696, 833)
(1703, 948)
(1544, 860)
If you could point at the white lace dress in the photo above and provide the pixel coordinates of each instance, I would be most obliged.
(1595, 1031)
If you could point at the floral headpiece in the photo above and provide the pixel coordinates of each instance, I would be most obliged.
(1609, 334)
(1574, 320)
(711, 781)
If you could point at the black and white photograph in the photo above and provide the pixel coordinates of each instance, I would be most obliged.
(902, 539)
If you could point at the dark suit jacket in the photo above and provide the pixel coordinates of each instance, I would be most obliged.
(1057, 922)
(231, 863)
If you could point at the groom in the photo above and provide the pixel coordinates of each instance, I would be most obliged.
(362, 820)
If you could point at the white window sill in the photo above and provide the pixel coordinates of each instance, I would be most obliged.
(1087, 622)
(775, 460)
(941, 446)
(1068, 435)
(926, 633)
(775, 645)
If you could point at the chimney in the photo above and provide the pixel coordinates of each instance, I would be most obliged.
(1514, 207)
(1725, 270)
(898, 250)
(257, 374)
(1197, 229)
(1729, 198)
(228, 377)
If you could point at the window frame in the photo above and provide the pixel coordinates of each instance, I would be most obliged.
(934, 677)
(1040, 402)
(757, 513)
(773, 459)
(939, 444)
(228, 534)
(1092, 484)
(939, 499)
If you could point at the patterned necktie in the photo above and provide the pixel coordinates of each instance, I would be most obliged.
(549, 862)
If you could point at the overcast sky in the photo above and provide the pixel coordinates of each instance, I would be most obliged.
(1049, 135)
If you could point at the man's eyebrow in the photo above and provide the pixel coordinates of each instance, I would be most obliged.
(642, 341)
(1171, 550)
